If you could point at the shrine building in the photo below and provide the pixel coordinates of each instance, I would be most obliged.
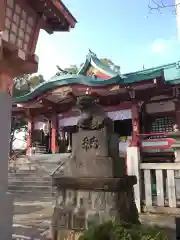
(143, 105)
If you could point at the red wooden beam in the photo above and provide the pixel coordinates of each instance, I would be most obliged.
(49, 104)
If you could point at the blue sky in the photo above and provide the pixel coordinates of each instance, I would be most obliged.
(123, 31)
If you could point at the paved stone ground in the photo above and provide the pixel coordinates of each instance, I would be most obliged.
(32, 218)
(165, 223)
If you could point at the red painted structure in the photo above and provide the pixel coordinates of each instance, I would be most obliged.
(20, 24)
(147, 95)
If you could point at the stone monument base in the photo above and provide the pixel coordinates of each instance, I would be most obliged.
(85, 201)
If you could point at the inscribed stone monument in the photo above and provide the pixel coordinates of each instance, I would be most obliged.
(92, 186)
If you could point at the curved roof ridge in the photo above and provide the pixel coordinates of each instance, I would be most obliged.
(91, 58)
(154, 68)
(64, 80)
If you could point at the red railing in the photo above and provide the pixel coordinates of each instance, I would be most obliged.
(162, 142)
(153, 134)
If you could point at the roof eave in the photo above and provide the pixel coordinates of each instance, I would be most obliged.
(58, 19)
(90, 60)
(84, 67)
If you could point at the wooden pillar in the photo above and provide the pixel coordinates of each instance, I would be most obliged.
(54, 131)
(135, 125)
(29, 135)
(133, 155)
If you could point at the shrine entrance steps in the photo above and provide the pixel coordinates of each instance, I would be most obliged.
(29, 183)
(30, 176)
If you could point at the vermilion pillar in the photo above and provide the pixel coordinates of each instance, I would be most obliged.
(54, 131)
(135, 125)
(133, 154)
(29, 135)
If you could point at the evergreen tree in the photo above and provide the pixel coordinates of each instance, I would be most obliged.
(22, 85)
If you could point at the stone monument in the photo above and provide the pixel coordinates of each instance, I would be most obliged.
(92, 186)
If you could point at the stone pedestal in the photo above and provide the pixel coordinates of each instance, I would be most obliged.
(84, 201)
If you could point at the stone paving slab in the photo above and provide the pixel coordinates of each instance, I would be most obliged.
(164, 222)
(32, 219)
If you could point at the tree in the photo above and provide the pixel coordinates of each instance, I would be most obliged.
(22, 85)
(72, 69)
(110, 64)
(34, 81)
(26, 83)
(18, 124)
(158, 5)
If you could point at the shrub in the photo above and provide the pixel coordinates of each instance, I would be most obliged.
(121, 231)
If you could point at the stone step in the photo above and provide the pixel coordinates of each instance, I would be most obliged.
(28, 171)
(22, 196)
(30, 195)
(31, 188)
(29, 182)
(27, 176)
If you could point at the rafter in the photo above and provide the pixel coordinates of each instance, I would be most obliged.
(49, 104)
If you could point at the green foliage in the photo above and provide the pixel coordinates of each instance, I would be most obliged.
(22, 85)
(25, 83)
(73, 69)
(107, 61)
(122, 231)
(110, 64)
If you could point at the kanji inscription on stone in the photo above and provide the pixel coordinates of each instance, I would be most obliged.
(90, 142)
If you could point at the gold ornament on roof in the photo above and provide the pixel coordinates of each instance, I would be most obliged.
(115, 88)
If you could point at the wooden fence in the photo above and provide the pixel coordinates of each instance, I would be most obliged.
(158, 184)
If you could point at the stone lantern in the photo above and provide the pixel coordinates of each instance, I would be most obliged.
(20, 24)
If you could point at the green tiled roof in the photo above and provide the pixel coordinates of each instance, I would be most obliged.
(171, 73)
(142, 76)
(92, 59)
(64, 80)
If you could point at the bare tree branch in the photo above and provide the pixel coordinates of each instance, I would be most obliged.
(155, 5)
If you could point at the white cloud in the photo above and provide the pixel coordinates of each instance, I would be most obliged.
(163, 46)
(49, 56)
(159, 46)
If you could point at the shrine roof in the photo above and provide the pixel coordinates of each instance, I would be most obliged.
(93, 60)
(64, 80)
(55, 13)
(169, 72)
